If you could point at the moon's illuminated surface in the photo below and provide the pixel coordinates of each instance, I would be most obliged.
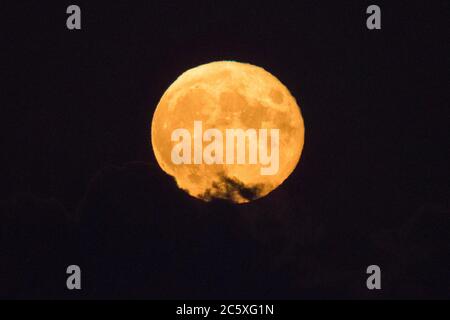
(227, 94)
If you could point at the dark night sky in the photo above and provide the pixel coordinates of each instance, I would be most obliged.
(372, 186)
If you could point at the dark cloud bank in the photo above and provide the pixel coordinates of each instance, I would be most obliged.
(136, 235)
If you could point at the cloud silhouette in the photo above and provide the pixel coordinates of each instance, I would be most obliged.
(232, 189)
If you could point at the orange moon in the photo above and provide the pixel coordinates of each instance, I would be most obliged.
(223, 95)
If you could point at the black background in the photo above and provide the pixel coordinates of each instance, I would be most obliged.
(80, 185)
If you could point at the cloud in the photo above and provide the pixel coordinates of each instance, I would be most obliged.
(232, 189)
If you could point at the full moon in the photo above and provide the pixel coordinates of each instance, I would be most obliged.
(226, 95)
